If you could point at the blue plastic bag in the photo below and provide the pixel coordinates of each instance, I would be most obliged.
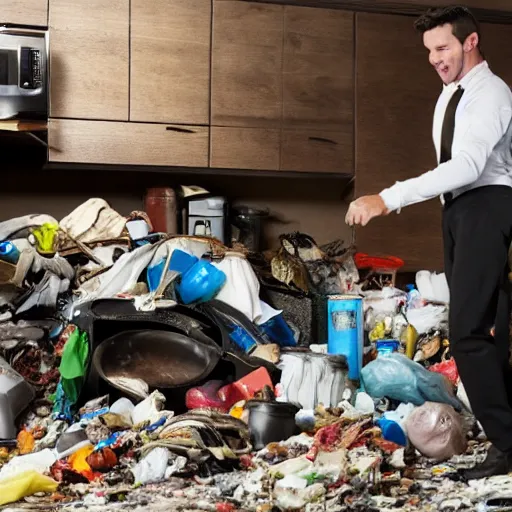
(396, 377)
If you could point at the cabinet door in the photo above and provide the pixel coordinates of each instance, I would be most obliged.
(246, 64)
(244, 148)
(89, 59)
(396, 93)
(317, 151)
(170, 61)
(318, 68)
(107, 142)
(498, 54)
(24, 12)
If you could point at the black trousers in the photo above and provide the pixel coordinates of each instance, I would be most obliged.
(477, 232)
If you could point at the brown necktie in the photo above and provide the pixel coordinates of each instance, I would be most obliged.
(447, 131)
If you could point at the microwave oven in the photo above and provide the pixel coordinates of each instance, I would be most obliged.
(23, 73)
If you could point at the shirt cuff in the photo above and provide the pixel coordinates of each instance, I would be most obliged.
(392, 198)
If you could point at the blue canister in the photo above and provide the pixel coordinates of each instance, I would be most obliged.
(9, 252)
(345, 331)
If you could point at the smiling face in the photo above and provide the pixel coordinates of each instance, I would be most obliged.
(446, 53)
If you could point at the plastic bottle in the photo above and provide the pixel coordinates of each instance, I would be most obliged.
(414, 299)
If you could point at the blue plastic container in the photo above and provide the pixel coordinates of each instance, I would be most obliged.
(201, 282)
(181, 261)
(392, 431)
(345, 330)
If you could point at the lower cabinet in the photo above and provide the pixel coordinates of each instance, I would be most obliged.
(307, 150)
(110, 142)
(245, 148)
(298, 150)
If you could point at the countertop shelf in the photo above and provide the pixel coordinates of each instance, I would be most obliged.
(209, 171)
(22, 125)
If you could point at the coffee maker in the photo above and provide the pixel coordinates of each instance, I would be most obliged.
(207, 216)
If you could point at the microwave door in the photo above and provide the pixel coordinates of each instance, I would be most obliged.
(8, 83)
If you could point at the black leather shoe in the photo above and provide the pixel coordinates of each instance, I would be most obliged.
(496, 463)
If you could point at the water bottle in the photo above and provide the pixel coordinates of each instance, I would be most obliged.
(414, 299)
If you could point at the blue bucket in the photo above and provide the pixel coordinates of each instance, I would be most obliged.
(345, 330)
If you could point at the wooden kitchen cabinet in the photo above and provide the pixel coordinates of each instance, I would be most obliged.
(24, 12)
(247, 64)
(170, 61)
(127, 143)
(282, 68)
(318, 68)
(317, 151)
(89, 49)
(396, 93)
(245, 148)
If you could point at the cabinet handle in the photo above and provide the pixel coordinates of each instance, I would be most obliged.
(180, 130)
(321, 139)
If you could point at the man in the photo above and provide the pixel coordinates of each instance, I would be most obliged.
(473, 138)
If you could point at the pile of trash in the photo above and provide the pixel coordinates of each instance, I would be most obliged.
(149, 372)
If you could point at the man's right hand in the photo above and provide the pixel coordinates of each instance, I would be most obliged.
(364, 209)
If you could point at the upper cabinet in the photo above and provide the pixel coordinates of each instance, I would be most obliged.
(318, 90)
(24, 12)
(89, 59)
(170, 61)
(282, 87)
(318, 68)
(247, 63)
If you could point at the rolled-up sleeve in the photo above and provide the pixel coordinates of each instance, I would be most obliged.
(483, 125)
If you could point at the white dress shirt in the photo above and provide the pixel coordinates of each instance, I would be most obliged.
(482, 142)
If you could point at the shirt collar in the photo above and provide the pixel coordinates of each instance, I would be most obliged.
(467, 78)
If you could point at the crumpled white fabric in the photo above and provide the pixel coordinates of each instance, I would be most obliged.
(242, 289)
(15, 227)
(125, 272)
(93, 220)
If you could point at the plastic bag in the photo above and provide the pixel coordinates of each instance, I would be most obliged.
(14, 488)
(397, 377)
(428, 318)
(436, 431)
(448, 369)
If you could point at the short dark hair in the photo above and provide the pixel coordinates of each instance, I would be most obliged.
(460, 17)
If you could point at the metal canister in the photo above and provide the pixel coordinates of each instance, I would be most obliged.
(160, 205)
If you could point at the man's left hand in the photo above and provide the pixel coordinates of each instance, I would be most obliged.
(363, 210)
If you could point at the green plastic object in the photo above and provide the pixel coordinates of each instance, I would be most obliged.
(73, 364)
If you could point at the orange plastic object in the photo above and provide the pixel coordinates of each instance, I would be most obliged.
(26, 442)
(363, 260)
(79, 463)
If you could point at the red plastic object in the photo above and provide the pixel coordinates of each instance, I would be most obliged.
(213, 396)
(448, 369)
(246, 387)
(363, 260)
(206, 397)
